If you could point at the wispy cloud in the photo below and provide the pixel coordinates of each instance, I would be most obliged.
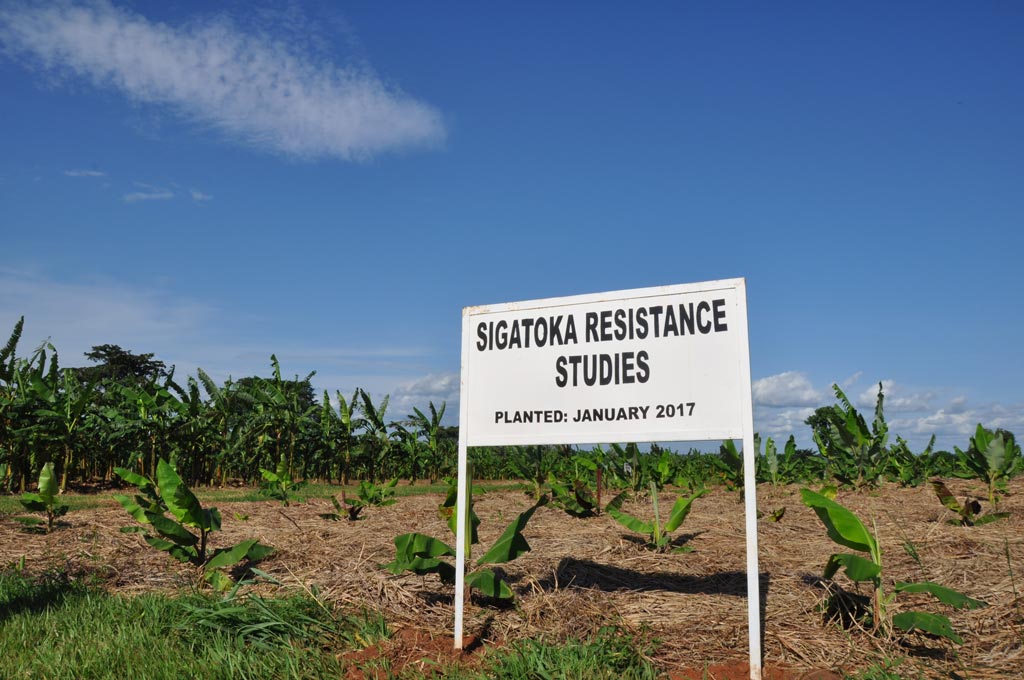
(148, 193)
(251, 87)
(85, 173)
(83, 313)
(199, 196)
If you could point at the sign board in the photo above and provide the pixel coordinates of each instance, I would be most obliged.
(654, 364)
(659, 364)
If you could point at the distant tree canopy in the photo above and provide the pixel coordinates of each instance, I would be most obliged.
(121, 365)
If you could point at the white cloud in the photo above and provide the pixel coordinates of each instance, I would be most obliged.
(250, 87)
(954, 426)
(791, 388)
(85, 173)
(780, 423)
(436, 388)
(200, 196)
(897, 398)
(151, 194)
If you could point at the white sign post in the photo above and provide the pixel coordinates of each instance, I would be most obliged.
(653, 364)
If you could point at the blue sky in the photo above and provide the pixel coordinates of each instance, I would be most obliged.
(333, 183)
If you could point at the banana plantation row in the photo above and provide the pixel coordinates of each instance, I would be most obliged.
(129, 411)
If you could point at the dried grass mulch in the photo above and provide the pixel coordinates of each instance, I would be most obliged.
(583, 574)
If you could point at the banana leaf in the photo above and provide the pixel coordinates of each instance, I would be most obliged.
(928, 623)
(225, 557)
(181, 502)
(511, 544)
(680, 510)
(842, 525)
(857, 568)
(953, 598)
(490, 584)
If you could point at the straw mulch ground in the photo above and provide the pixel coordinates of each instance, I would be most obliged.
(583, 574)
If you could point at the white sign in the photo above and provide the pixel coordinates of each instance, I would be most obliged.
(651, 364)
(657, 364)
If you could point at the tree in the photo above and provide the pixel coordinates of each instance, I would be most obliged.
(121, 366)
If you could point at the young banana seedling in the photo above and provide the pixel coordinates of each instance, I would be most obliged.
(44, 501)
(423, 554)
(279, 484)
(184, 535)
(969, 511)
(658, 535)
(846, 529)
(368, 493)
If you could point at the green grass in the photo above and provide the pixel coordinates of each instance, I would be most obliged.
(10, 505)
(609, 655)
(886, 670)
(54, 628)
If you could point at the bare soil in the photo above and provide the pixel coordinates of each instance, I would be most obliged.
(583, 574)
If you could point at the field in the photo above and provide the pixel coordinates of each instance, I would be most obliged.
(686, 612)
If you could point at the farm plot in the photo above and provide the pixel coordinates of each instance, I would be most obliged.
(585, 574)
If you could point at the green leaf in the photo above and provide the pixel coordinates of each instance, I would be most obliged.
(857, 568)
(33, 503)
(180, 553)
(211, 519)
(929, 623)
(953, 598)
(133, 508)
(946, 497)
(258, 552)
(225, 557)
(181, 502)
(29, 521)
(220, 581)
(47, 484)
(410, 546)
(427, 565)
(511, 544)
(632, 523)
(680, 510)
(991, 517)
(132, 477)
(488, 583)
(842, 525)
(172, 530)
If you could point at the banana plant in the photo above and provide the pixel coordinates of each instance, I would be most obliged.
(429, 428)
(348, 423)
(184, 535)
(857, 455)
(376, 442)
(368, 494)
(729, 464)
(422, 554)
(658, 535)
(44, 501)
(278, 484)
(993, 456)
(65, 403)
(846, 529)
(906, 467)
(968, 511)
(574, 496)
